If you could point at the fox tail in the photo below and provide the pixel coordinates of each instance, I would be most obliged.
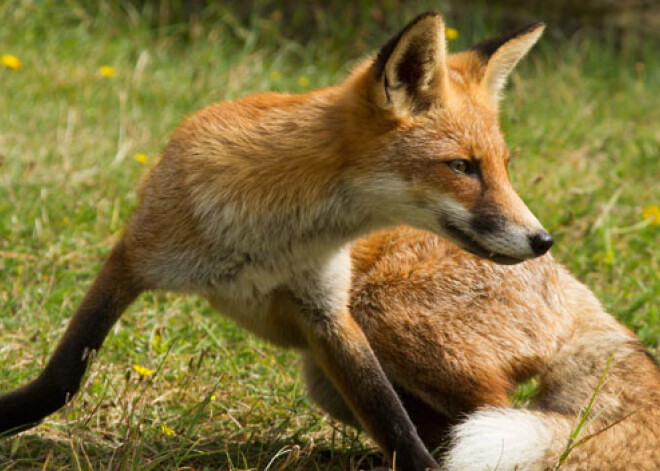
(507, 439)
(619, 432)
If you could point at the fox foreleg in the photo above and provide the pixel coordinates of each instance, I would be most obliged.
(340, 348)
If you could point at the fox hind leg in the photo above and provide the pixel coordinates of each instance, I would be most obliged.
(325, 394)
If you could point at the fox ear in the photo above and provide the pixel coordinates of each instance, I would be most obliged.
(503, 53)
(411, 68)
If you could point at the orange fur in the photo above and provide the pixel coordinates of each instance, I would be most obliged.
(456, 333)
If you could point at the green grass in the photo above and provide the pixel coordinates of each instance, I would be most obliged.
(581, 120)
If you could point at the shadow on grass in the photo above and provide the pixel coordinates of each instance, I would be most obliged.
(94, 450)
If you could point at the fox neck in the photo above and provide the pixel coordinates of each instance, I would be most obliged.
(347, 202)
(298, 182)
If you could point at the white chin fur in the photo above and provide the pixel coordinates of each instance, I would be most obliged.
(499, 439)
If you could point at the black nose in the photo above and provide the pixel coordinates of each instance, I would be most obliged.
(541, 242)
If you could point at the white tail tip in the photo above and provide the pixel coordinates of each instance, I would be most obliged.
(501, 439)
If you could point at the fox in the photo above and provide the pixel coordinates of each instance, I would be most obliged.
(456, 333)
(254, 203)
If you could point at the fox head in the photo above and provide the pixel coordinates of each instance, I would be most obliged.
(442, 163)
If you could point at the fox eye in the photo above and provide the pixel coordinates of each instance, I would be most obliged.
(461, 166)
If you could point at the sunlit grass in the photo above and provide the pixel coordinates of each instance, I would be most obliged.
(88, 111)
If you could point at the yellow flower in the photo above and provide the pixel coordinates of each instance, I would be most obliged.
(142, 158)
(451, 33)
(11, 62)
(142, 370)
(213, 397)
(652, 212)
(275, 75)
(303, 81)
(166, 430)
(106, 71)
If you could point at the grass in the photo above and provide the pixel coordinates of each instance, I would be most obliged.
(581, 119)
(575, 439)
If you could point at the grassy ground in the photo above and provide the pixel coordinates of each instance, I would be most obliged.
(581, 119)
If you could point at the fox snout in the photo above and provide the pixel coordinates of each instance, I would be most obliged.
(505, 235)
(511, 219)
(507, 244)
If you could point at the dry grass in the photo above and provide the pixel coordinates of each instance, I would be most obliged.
(581, 120)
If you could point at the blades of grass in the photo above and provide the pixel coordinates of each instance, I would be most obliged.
(604, 429)
(572, 444)
(279, 454)
(606, 210)
(48, 458)
(200, 411)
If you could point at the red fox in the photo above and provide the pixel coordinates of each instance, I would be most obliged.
(454, 333)
(254, 203)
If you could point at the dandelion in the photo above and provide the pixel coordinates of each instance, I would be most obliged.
(107, 71)
(142, 370)
(652, 212)
(142, 158)
(11, 62)
(451, 34)
(303, 81)
(213, 397)
(275, 75)
(167, 431)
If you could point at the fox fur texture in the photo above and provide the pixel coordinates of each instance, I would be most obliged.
(456, 333)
